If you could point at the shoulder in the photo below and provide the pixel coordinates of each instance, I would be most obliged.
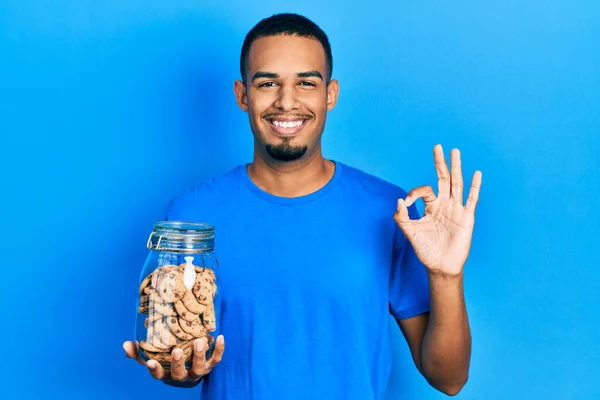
(379, 193)
(371, 184)
(206, 192)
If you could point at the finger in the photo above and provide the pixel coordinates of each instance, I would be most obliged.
(474, 192)
(218, 353)
(178, 371)
(442, 172)
(156, 370)
(131, 351)
(401, 215)
(199, 361)
(456, 175)
(422, 192)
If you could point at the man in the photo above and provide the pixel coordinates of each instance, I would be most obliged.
(315, 254)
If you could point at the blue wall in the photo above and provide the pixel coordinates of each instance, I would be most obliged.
(107, 111)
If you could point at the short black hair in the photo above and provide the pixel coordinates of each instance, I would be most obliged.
(285, 24)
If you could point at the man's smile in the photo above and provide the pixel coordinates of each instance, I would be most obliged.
(287, 126)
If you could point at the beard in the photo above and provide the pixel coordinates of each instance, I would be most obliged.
(285, 151)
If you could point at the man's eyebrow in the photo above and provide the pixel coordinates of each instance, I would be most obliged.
(272, 75)
(309, 74)
(261, 74)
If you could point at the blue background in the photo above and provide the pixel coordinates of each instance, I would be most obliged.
(109, 109)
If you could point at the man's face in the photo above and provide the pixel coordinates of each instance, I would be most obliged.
(286, 96)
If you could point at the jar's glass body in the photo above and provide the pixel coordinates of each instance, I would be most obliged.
(178, 298)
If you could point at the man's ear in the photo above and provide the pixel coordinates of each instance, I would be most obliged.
(239, 88)
(333, 89)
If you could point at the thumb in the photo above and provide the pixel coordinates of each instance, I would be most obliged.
(131, 351)
(401, 216)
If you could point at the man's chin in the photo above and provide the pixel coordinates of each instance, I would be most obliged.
(285, 152)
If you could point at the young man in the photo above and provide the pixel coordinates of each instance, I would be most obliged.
(315, 254)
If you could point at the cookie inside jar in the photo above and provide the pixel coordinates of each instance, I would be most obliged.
(178, 302)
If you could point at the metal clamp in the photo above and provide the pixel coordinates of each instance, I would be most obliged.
(149, 244)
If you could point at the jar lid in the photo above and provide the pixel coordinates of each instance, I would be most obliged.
(182, 236)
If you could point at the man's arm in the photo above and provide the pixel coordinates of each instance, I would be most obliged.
(440, 341)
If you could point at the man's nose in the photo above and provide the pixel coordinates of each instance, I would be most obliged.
(287, 99)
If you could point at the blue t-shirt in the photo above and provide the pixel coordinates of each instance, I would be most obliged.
(306, 285)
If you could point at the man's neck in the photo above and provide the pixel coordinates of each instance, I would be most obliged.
(292, 178)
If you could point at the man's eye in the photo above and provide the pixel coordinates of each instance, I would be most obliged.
(307, 83)
(267, 84)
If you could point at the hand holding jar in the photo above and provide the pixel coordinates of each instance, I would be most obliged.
(177, 305)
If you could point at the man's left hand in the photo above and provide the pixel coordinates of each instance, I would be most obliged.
(442, 237)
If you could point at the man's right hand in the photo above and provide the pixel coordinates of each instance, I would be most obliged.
(178, 375)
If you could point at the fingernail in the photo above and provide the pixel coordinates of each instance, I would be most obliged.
(177, 353)
(221, 339)
(199, 345)
(151, 365)
(407, 200)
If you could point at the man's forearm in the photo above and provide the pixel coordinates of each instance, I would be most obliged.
(446, 347)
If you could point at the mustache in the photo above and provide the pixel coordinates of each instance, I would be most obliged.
(282, 115)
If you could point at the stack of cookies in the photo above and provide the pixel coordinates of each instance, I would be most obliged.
(177, 316)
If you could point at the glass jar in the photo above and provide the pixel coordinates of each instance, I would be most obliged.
(178, 299)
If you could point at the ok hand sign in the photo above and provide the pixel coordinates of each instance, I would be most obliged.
(442, 237)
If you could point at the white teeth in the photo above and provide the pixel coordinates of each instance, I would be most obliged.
(288, 124)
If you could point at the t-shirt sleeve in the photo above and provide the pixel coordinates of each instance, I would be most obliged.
(409, 286)
(191, 205)
(181, 207)
(172, 210)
